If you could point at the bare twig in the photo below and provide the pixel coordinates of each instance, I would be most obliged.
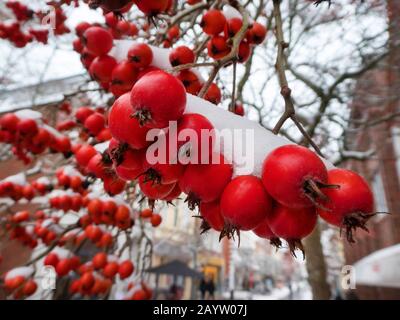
(286, 93)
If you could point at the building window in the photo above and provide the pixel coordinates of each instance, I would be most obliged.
(379, 194)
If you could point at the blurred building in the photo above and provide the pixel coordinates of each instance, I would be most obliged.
(178, 237)
(375, 114)
(44, 98)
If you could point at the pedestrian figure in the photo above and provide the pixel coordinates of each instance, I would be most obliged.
(203, 288)
(210, 288)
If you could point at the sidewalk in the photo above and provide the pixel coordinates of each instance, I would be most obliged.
(300, 292)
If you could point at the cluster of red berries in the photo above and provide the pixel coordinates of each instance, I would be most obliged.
(66, 202)
(16, 191)
(19, 35)
(221, 30)
(28, 135)
(154, 218)
(93, 122)
(150, 8)
(120, 27)
(24, 234)
(19, 283)
(63, 262)
(108, 212)
(68, 178)
(139, 291)
(95, 277)
(97, 165)
(42, 185)
(172, 35)
(294, 189)
(20, 10)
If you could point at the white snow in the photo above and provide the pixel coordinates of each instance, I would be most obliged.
(101, 147)
(20, 271)
(62, 253)
(28, 114)
(18, 179)
(43, 180)
(68, 219)
(70, 171)
(230, 12)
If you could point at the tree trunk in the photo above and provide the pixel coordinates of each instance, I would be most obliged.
(316, 266)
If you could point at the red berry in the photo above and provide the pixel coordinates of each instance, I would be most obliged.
(152, 7)
(190, 81)
(350, 204)
(83, 113)
(63, 267)
(27, 127)
(155, 220)
(263, 230)
(233, 26)
(239, 110)
(146, 213)
(211, 213)
(95, 123)
(93, 233)
(173, 33)
(217, 47)
(125, 269)
(198, 133)
(113, 185)
(77, 45)
(256, 34)
(213, 22)
(140, 55)
(9, 122)
(102, 67)
(122, 215)
(111, 269)
(87, 58)
(84, 154)
(181, 55)
(98, 41)
(51, 260)
(29, 288)
(111, 19)
(81, 28)
(245, 203)
(123, 126)
(244, 52)
(291, 174)
(175, 193)
(193, 180)
(292, 224)
(213, 94)
(157, 98)
(154, 191)
(87, 280)
(99, 261)
(123, 77)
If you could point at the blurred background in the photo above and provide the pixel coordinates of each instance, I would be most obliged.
(344, 71)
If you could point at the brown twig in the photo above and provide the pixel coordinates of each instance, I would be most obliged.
(286, 92)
